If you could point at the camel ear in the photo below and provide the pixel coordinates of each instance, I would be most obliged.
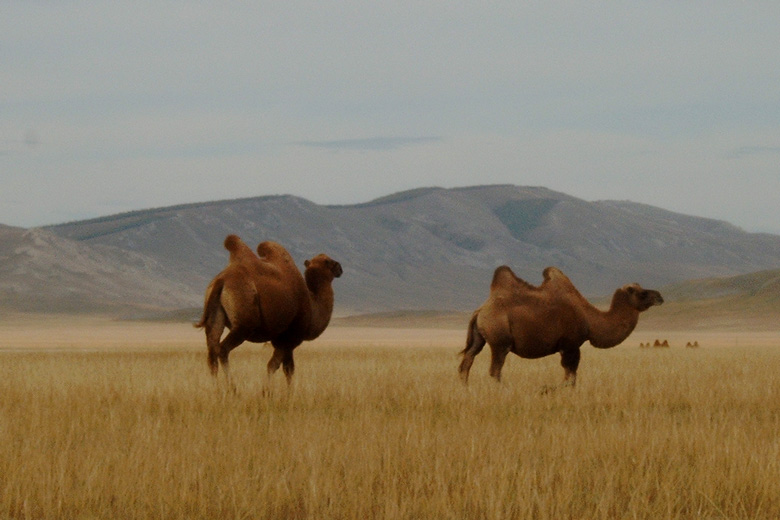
(306, 263)
(336, 269)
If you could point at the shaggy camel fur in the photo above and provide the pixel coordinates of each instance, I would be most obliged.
(265, 298)
(534, 322)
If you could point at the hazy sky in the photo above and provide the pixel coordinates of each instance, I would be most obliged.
(112, 106)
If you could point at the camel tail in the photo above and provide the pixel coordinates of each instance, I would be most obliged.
(474, 344)
(212, 302)
(471, 333)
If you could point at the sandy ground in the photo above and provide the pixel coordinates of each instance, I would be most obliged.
(56, 332)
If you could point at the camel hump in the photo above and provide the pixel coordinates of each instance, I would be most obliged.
(553, 273)
(557, 282)
(237, 247)
(275, 260)
(233, 243)
(503, 278)
(273, 251)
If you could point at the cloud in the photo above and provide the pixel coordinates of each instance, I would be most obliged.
(370, 143)
(208, 101)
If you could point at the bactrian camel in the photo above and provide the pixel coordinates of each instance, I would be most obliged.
(534, 322)
(264, 298)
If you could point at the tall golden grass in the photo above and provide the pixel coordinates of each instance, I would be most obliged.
(389, 432)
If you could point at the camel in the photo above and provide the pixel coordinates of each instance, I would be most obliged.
(534, 322)
(264, 298)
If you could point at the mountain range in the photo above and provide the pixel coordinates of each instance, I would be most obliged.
(430, 248)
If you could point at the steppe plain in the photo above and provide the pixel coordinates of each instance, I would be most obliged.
(103, 418)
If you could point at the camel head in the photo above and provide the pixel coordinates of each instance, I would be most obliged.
(323, 264)
(639, 298)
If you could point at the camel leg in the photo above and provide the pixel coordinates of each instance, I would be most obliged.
(288, 365)
(231, 341)
(499, 354)
(280, 358)
(275, 362)
(474, 344)
(273, 365)
(570, 360)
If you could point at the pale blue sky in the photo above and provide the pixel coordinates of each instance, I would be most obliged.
(113, 106)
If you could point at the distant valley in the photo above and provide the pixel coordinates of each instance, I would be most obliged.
(430, 248)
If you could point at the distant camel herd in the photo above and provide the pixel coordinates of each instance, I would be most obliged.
(665, 344)
(262, 297)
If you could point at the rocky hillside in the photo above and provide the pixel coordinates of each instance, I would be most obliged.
(751, 300)
(40, 271)
(762, 286)
(428, 248)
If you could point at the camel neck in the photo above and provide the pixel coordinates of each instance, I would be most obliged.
(610, 328)
(321, 294)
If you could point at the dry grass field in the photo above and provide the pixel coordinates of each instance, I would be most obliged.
(102, 419)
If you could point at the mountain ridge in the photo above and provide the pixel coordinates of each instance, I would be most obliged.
(428, 248)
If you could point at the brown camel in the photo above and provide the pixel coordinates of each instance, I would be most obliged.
(265, 298)
(534, 322)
